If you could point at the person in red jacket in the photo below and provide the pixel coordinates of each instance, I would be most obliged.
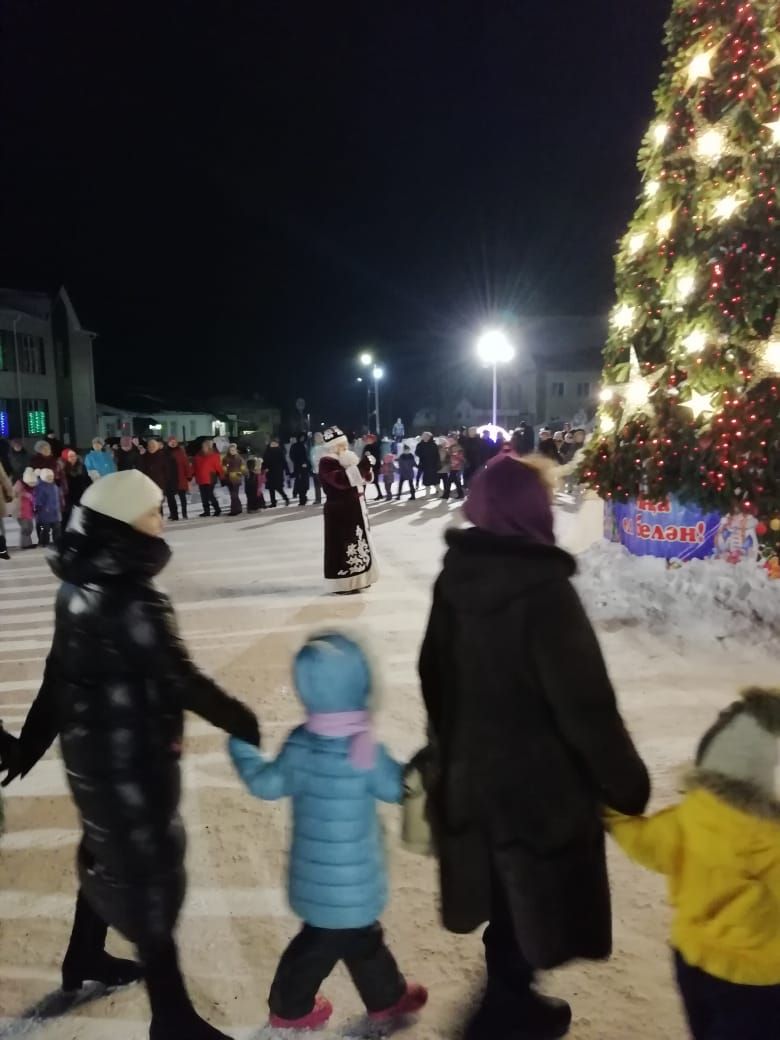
(183, 477)
(207, 466)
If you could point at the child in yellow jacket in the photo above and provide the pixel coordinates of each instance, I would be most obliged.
(720, 848)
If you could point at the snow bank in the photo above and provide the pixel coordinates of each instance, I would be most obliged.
(704, 600)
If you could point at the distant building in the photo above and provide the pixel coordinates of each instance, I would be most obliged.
(47, 378)
(247, 418)
(554, 378)
(162, 422)
(143, 415)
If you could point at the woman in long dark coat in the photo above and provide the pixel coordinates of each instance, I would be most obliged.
(275, 469)
(528, 745)
(428, 460)
(74, 481)
(350, 565)
(117, 682)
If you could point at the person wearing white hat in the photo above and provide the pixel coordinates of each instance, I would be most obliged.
(350, 564)
(117, 682)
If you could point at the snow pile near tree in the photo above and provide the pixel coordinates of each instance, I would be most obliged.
(704, 600)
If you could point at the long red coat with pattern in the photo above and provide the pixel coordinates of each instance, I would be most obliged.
(349, 558)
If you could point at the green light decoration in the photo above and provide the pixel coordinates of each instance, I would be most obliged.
(36, 423)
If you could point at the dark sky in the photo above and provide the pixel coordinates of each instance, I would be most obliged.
(239, 195)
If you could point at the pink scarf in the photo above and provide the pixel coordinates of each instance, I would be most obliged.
(354, 724)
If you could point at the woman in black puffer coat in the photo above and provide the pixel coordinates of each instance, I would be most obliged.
(117, 682)
(527, 746)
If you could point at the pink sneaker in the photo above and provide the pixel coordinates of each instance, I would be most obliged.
(317, 1017)
(414, 1000)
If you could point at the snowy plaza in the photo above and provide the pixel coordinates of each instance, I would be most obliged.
(678, 643)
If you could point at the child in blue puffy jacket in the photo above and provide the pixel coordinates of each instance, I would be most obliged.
(335, 774)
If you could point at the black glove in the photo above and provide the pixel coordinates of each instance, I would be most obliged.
(10, 756)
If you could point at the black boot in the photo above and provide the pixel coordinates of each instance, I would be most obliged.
(3, 549)
(87, 960)
(191, 1027)
(173, 1016)
(530, 1016)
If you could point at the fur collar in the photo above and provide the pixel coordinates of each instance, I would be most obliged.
(739, 794)
(764, 706)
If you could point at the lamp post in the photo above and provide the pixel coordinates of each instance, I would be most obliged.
(494, 348)
(377, 372)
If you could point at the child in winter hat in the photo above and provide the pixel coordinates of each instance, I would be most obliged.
(720, 848)
(48, 507)
(335, 773)
(24, 490)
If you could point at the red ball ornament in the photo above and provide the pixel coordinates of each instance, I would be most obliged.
(761, 529)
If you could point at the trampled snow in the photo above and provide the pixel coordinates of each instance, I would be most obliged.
(679, 644)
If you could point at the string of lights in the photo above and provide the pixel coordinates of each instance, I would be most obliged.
(691, 405)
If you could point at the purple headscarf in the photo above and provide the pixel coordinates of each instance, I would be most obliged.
(509, 497)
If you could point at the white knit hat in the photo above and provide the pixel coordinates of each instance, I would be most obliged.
(123, 496)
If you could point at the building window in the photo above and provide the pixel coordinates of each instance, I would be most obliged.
(193, 428)
(32, 355)
(5, 424)
(7, 363)
(583, 389)
(557, 390)
(36, 417)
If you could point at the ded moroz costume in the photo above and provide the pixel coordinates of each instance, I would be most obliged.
(349, 555)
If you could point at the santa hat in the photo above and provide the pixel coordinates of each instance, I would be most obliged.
(123, 496)
(333, 436)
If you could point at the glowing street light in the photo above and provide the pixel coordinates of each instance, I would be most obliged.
(494, 348)
(366, 359)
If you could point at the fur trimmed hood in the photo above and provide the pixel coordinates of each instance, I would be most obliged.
(738, 759)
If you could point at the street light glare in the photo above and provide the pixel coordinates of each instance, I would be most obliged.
(366, 359)
(493, 347)
(378, 372)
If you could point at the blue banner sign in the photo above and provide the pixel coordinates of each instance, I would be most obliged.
(666, 529)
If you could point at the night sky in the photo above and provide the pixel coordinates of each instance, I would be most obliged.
(238, 196)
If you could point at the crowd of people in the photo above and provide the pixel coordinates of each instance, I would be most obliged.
(41, 488)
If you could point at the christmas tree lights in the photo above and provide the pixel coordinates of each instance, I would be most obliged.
(692, 363)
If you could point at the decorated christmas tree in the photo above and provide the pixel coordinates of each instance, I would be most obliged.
(690, 404)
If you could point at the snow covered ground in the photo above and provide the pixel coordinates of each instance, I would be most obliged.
(679, 644)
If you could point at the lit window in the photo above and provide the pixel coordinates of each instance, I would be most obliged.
(36, 423)
(36, 414)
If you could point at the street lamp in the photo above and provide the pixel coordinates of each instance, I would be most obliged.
(377, 372)
(367, 361)
(494, 348)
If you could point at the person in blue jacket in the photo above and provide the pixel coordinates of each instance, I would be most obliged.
(98, 462)
(335, 774)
